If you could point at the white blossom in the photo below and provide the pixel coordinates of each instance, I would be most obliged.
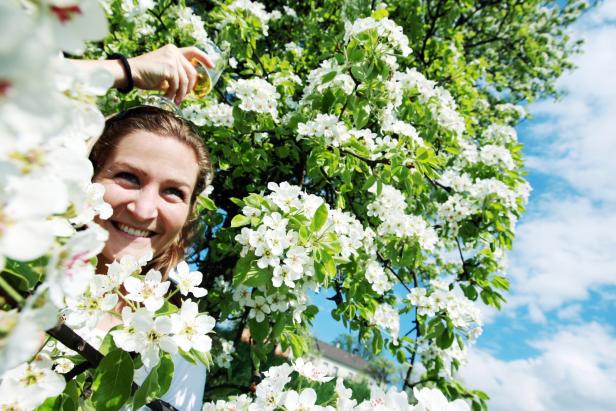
(190, 328)
(188, 281)
(150, 291)
(256, 95)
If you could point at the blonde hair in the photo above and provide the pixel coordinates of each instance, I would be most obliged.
(164, 123)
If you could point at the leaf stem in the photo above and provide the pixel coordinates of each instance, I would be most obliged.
(12, 293)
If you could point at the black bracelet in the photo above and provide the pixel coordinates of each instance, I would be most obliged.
(129, 74)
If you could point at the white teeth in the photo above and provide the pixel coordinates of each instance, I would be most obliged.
(132, 231)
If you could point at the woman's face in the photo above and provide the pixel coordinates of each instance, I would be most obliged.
(149, 180)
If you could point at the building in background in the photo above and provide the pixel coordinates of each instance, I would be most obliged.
(340, 362)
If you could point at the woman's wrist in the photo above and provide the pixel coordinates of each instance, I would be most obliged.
(129, 83)
(115, 67)
(119, 75)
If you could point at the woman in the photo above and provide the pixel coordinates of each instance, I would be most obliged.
(153, 166)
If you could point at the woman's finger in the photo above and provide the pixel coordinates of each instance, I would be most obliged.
(173, 81)
(191, 73)
(183, 83)
(194, 52)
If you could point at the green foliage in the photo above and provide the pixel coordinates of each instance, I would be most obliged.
(487, 54)
(112, 381)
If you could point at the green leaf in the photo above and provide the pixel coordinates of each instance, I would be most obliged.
(256, 277)
(500, 282)
(328, 77)
(237, 202)
(328, 265)
(355, 53)
(445, 338)
(205, 203)
(156, 383)
(204, 357)
(167, 309)
(319, 219)
(258, 331)
(187, 356)
(240, 220)
(107, 345)
(380, 14)
(361, 114)
(28, 277)
(112, 381)
(281, 321)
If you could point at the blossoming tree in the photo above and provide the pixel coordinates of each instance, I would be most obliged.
(364, 150)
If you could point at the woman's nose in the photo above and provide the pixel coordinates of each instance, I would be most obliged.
(145, 205)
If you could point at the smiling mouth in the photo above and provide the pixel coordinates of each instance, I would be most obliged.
(135, 232)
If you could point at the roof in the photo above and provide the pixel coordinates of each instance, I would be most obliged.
(334, 353)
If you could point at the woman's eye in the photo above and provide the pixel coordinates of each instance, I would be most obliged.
(176, 192)
(131, 178)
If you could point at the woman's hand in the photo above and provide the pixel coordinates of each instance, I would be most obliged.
(168, 69)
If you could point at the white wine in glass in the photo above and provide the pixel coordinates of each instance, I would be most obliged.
(207, 77)
(203, 85)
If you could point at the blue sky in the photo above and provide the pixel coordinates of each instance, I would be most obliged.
(553, 346)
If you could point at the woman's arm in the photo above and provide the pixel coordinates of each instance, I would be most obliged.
(168, 69)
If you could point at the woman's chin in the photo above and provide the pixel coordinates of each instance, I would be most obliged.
(111, 253)
(120, 244)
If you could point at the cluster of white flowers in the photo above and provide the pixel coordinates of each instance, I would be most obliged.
(294, 48)
(514, 111)
(261, 303)
(190, 23)
(385, 28)
(132, 9)
(494, 155)
(216, 115)
(389, 206)
(391, 124)
(335, 133)
(387, 317)
(328, 126)
(280, 78)
(147, 334)
(26, 386)
(258, 10)
(469, 196)
(225, 356)
(289, 11)
(456, 209)
(459, 309)
(271, 394)
(45, 183)
(281, 247)
(378, 278)
(430, 352)
(256, 95)
(339, 79)
(440, 101)
(500, 134)
(142, 330)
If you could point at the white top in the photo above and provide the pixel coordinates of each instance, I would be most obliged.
(187, 385)
(186, 390)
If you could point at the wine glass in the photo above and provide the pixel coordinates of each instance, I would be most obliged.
(207, 77)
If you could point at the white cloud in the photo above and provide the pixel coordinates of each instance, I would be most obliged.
(575, 370)
(580, 128)
(570, 313)
(566, 247)
(561, 253)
